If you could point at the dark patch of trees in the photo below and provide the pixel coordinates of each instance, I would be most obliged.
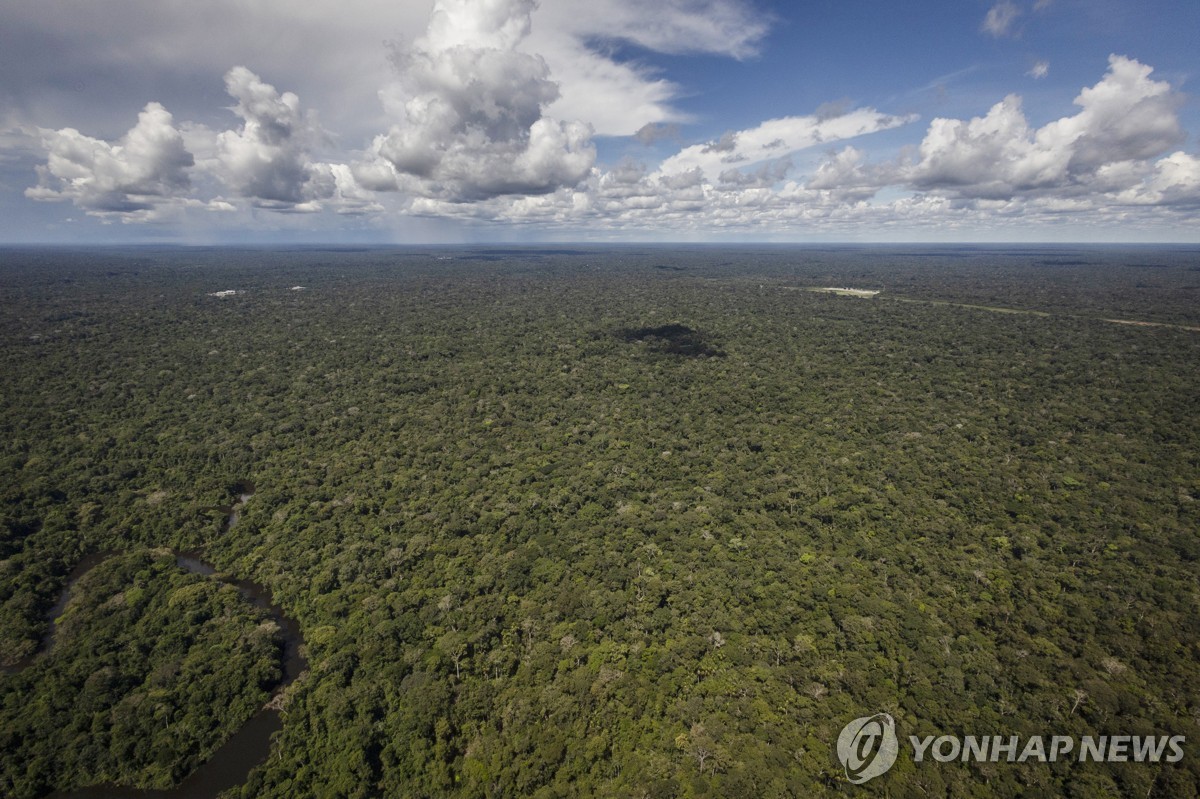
(673, 339)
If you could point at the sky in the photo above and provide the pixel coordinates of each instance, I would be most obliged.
(445, 121)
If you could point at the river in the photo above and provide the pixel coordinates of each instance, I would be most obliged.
(233, 761)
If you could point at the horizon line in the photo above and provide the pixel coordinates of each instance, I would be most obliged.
(508, 245)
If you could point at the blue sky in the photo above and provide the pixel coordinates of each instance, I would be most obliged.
(683, 120)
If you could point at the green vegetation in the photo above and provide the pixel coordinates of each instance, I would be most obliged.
(152, 668)
(673, 339)
(539, 549)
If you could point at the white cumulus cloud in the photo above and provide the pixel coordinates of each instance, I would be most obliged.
(1172, 181)
(1125, 117)
(267, 160)
(847, 175)
(146, 168)
(1106, 164)
(474, 123)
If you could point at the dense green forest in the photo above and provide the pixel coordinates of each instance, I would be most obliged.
(620, 522)
(152, 668)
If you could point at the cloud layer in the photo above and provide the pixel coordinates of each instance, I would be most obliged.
(493, 113)
(777, 137)
(617, 98)
(1115, 159)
